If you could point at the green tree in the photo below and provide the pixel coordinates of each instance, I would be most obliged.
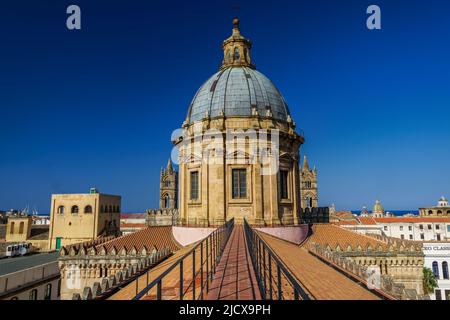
(429, 281)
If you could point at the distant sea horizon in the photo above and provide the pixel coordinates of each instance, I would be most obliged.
(397, 213)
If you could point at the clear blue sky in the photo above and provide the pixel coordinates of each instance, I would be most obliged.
(96, 107)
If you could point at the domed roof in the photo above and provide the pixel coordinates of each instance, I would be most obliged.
(378, 208)
(236, 91)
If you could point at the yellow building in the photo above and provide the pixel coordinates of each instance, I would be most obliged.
(18, 228)
(239, 151)
(441, 210)
(83, 217)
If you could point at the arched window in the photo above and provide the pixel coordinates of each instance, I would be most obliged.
(48, 292)
(236, 54)
(74, 209)
(445, 270)
(245, 54)
(14, 298)
(111, 209)
(11, 231)
(448, 211)
(166, 201)
(439, 212)
(88, 209)
(21, 227)
(102, 209)
(307, 201)
(33, 294)
(436, 269)
(61, 209)
(430, 212)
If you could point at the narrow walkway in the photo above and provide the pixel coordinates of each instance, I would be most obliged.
(235, 278)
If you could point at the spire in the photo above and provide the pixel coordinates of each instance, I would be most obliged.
(236, 49)
(305, 166)
(169, 166)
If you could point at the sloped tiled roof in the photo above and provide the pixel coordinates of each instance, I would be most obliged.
(367, 220)
(413, 220)
(150, 237)
(335, 236)
(346, 223)
(344, 215)
(320, 280)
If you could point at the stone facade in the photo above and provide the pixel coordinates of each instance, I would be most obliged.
(309, 192)
(441, 210)
(83, 217)
(315, 215)
(21, 229)
(18, 228)
(168, 186)
(232, 170)
(388, 283)
(108, 261)
(82, 268)
(162, 217)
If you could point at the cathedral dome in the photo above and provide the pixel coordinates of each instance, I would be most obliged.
(238, 90)
(378, 208)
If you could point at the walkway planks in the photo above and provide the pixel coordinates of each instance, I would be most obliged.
(235, 278)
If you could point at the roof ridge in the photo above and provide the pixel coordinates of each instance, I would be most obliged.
(121, 237)
(359, 234)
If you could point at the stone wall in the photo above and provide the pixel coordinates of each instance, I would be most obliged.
(315, 215)
(385, 284)
(162, 217)
(100, 272)
(101, 288)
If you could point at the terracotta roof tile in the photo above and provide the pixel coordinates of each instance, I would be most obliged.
(158, 237)
(346, 223)
(367, 220)
(334, 236)
(319, 279)
(413, 220)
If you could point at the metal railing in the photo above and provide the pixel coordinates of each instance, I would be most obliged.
(195, 270)
(275, 281)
